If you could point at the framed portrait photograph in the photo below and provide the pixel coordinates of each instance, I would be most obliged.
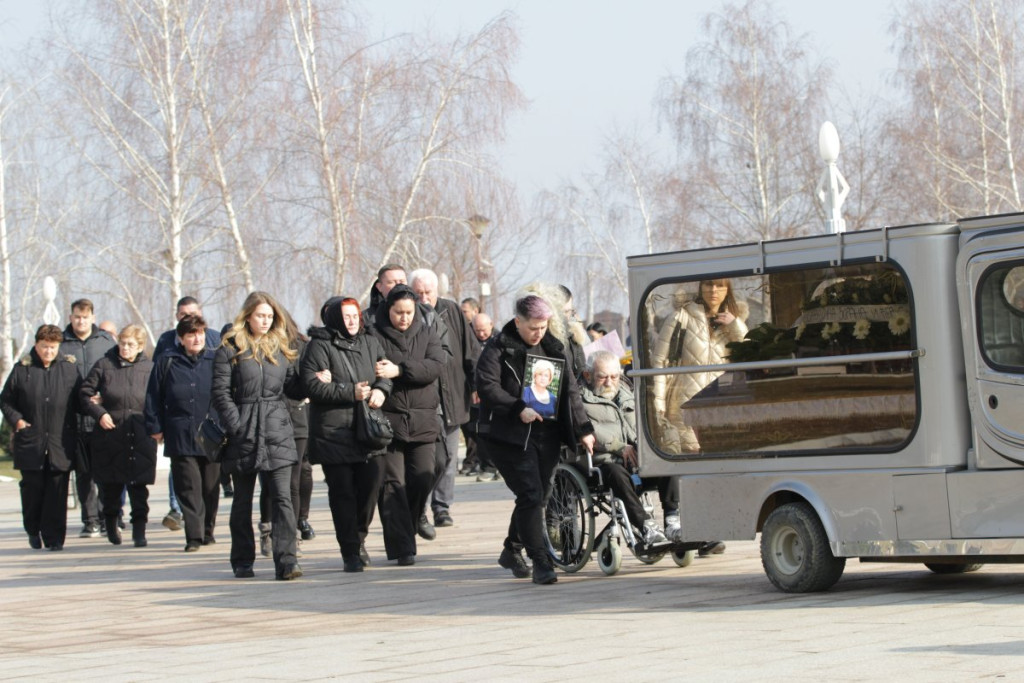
(541, 383)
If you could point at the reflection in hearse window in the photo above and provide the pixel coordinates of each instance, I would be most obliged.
(817, 312)
(1000, 305)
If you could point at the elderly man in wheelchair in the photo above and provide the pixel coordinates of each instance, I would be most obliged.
(604, 483)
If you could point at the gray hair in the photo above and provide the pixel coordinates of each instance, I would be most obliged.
(424, 275)
(599, 357)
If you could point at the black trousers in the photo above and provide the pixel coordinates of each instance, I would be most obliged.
(668, 492)
(197, 487)
(301, 487)
(44, 504)
(621, 484)
(352, 491)
(85, 486)
(408, 479)
(527, 473)
(282, 517)
(138, 496)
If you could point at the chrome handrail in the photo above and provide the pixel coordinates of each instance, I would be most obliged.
(779, 363)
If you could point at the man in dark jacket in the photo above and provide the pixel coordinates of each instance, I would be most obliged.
(38, 402)
(477, 463)
(187, 305)
(456, 391)
(87, 343)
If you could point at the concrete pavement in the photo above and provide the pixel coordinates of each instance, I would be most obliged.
(100, 612)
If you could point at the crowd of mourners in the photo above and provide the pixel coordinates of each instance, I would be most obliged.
(91, 401)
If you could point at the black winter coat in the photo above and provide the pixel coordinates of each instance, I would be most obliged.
(249, 396)
(46, 398)
(499, 382)
(456, 379)
(178, 399)
(413, 404)
(87, 353)
(298, 409)
(125, 454)
(331, 406)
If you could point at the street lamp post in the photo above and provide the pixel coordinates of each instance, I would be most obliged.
(477, 225)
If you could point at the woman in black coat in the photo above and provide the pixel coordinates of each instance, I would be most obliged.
(123, 452)
(39, 401)
(348, 355)
(254, 365)
(523, 445)
(415, 359)
(302, 471)
(177, 402)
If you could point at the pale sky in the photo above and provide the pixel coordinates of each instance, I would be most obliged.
(587, 67)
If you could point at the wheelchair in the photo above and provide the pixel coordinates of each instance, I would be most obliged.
(571, 516)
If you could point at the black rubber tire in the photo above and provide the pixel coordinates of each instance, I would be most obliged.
(570, 515)
(961, 568)
(795, 553)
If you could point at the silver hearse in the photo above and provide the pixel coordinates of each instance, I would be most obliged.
(866, 401)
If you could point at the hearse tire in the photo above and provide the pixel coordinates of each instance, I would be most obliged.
(795, 551)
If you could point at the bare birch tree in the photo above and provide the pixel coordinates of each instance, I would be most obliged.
(960, 64)
(745, 115)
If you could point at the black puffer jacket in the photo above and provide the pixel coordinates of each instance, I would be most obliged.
(499, 382)
(46, 398)
(249, 397)
(413, 404)
(125, 454)
(331, 405)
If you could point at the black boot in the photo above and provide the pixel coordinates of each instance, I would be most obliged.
(113, 531)
(543, 572)
(139, 534)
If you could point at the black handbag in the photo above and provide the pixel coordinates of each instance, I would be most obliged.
(211, 439)
(372, 427)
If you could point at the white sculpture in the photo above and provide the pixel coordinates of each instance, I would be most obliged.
(833, 188)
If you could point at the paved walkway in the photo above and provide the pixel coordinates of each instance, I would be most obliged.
(99, 612)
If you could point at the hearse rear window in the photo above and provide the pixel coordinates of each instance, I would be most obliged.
(791, 315)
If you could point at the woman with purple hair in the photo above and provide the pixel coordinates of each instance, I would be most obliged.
(522, 444)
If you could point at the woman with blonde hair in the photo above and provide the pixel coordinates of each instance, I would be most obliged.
(123, 452)
(253, 369)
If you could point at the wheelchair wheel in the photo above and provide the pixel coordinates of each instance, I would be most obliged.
(683, 558)
(650, 556)
(609, 554)
(569, 519)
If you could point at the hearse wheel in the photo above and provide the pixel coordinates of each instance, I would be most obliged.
(795, 552)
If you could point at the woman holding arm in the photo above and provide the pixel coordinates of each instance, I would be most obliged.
(414, 362)
(521, 443)
(343, 349)
(253, 367)
(123, 452)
